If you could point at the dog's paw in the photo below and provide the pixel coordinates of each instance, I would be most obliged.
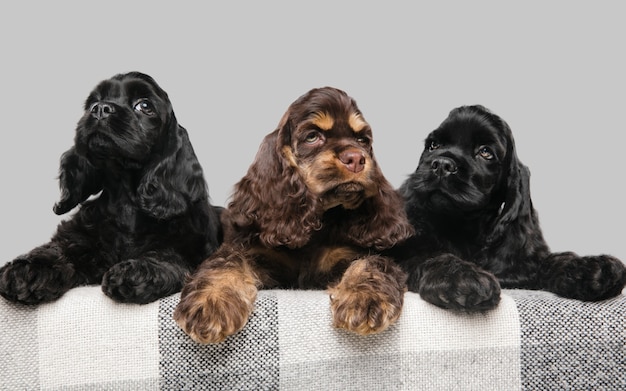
(369, 297)
(142, 281)
(451, 283)
(34, 281)
(589, 278)
(215, 306)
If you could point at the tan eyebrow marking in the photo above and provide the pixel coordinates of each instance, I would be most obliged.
(323, 121)
(356, 122)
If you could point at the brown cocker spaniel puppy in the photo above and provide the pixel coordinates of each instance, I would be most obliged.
(477, 231)
(144, 221)
(313, 211)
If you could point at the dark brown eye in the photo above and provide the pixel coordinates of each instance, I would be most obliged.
(433, 145)
(363, 140)
(312, 138)
(486, 153)
(145, 107)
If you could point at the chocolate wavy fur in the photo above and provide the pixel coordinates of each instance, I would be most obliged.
(477, 231)
(150, 222)
(313, 211)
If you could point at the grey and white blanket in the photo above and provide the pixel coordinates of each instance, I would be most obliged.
(532, 341)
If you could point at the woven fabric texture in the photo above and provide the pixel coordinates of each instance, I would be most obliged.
(532, 341)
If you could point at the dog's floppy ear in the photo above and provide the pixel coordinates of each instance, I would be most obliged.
(517, 207)
(78, 180)
(380, 222)
(175, 179)
(271, 200)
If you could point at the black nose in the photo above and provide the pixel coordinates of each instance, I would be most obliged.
(354, 160)
(102, 110)
(443, 166)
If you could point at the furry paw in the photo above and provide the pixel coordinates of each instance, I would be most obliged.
(215, 305)
(142, 281)
(451, 283)
(369, 297)
(34, 281)
(589, 278)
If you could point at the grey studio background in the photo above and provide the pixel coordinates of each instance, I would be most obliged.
(553, 70)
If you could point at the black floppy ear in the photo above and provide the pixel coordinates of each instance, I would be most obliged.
(78, 180)
(174, 180)
(517, 207)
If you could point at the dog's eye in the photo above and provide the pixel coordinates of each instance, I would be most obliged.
(312, 138)
(486, 153)
(433, 145)
(363, 140)
(145, 107)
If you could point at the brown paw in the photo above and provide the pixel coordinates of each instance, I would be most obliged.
(215, 304)
(369, 297)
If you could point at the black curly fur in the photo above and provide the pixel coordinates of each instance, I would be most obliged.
(148, 223)
(469, 200)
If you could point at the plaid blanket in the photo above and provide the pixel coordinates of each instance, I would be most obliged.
(532, 341)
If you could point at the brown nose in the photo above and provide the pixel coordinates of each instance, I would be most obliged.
(354, 160)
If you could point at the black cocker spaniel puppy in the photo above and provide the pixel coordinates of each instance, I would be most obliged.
(477, 231)
(313, 212)
(144, 221)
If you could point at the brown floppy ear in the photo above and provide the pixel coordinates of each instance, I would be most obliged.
(271, 201)
(173, 181)
(380, 222)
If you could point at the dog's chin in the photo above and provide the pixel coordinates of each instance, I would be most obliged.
(103, 149)
(454, 204)
(348, 195)
(442, 203)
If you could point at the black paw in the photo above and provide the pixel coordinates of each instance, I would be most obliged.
(142, 281)
(589, 278)
(451, 283)
(34, 281)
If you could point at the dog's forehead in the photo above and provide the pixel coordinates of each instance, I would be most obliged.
(139, 88)
(470, 133)
(328, 109)
(326, 121)
(120, 89)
